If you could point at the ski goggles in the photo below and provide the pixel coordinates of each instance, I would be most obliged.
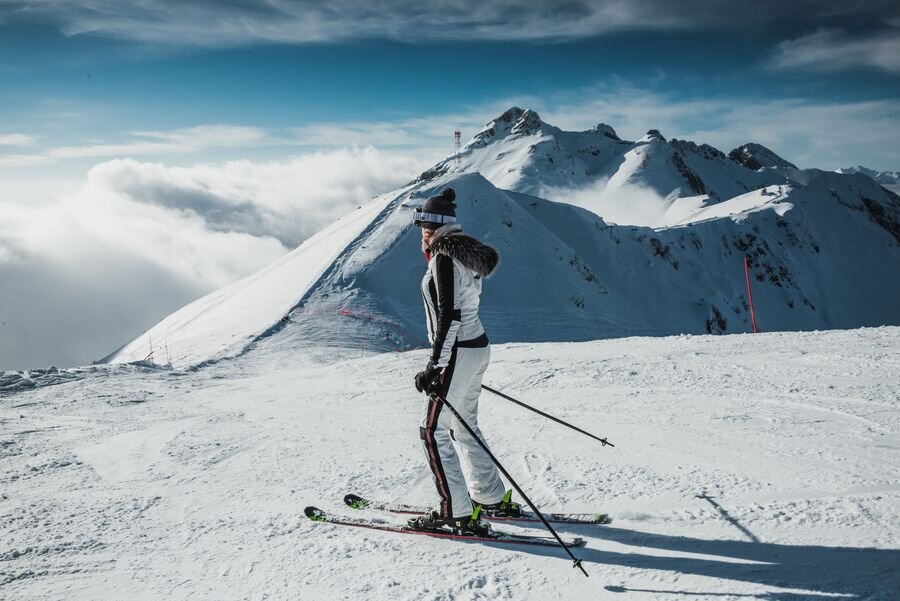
(421, 218)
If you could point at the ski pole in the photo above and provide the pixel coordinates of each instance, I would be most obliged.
(547, 415)
(576, 563)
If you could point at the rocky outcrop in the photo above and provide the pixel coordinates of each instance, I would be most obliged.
(756, 156)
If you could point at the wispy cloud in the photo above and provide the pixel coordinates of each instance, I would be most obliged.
(430, 136)
(237, 22)
(807, 132)
(16, 139)
(425, 131)
(205, 136)
(857, 132)
(192, 140)
(835, 50)
(22, 160)
(181, 141)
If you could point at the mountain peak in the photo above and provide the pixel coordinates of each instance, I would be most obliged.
(606, 130)
(512, 114)
(514, 121)
(755, 156)
(651, 135)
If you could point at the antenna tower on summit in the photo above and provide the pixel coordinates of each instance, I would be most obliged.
(456, 145)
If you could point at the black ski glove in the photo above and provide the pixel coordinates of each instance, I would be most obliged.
(427, 380)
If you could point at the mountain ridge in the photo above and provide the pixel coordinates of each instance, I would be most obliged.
(568, 273)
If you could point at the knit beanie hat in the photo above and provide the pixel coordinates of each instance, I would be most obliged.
(437, 210)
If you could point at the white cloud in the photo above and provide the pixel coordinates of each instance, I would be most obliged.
(835, 50)
(429, 136)
(16, 139)
(359, 133)
(22, 160)
(109, 150)
(86, 272)
(643, 206)
(179, 141)
(288, 200)
(430, 133)
(423, 133)
(209, 136)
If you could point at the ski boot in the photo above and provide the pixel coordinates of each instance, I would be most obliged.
(504, 509)
(463, 526)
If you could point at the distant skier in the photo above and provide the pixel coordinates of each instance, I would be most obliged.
(460, 355)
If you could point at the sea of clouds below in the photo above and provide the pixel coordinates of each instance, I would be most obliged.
(84, 271)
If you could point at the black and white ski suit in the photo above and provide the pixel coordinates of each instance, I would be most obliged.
(451, 290)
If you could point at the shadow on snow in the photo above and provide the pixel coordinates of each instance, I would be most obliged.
(849, 572)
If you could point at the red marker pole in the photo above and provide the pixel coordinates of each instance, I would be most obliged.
(750, 294)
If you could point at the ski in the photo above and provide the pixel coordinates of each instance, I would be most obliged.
(317, 515)
(357, 502)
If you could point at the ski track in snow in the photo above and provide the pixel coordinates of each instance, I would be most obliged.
(746, 467)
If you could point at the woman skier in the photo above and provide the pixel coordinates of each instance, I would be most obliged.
(467, 481)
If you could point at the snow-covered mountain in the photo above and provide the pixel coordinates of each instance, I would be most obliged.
(888, 179)
(647, 182)
(882, 177)
(823, 250)
(517, 151)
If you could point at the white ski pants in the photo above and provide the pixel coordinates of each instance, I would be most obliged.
(462, 471)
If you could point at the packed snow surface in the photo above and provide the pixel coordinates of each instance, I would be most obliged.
(746, 467)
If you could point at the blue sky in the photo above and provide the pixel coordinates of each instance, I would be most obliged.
(152, 152)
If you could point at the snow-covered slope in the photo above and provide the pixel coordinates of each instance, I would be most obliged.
(823, 250)
(518, 151)
(227, 320)
(356, 285)
(804, 274)
(745, 467)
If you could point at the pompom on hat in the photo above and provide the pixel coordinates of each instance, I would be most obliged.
(437, 210)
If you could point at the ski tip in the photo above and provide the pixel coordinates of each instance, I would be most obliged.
(355, 501)
(315, 514)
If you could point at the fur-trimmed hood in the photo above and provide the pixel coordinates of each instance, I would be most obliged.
(474, 255)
